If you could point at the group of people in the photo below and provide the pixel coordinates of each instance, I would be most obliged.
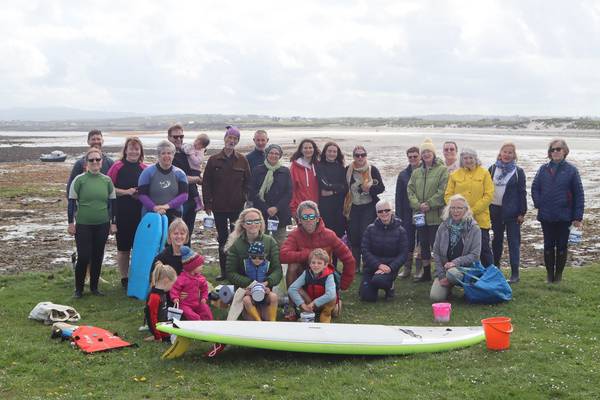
(443, 211)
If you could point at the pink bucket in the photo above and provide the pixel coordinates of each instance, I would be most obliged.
(441, 312)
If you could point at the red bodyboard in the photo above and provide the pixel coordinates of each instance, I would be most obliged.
(91, 339)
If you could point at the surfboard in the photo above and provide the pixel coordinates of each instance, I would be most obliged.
(353, 339)
(148, 242)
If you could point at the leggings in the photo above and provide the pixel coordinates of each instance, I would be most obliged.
(556, 235)
(90, 241)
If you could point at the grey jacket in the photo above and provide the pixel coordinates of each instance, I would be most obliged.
(471, 247)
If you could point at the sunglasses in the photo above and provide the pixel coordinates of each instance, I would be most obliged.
(385, 210)
(360, 155)
(413, 157)
(177, 136)
(254, 257)
(553, 149)
(307, 217)
(450, 149)
(94, 159)
(252, 222)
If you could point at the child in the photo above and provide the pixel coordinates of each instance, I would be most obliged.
(192, 282)
(195, 156)
(315, 290)
(256, 267)
(163, 278)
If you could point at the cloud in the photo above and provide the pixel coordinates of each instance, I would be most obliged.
(378, 58)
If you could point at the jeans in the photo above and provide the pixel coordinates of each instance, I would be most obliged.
(189, 217)
(223, 229)
(513, 235)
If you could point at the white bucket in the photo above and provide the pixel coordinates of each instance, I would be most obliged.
(419, 220)
(272, 224)
(307, 316)
(208, 222)
(174, 314)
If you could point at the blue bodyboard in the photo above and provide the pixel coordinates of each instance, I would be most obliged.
(165, 232)
(147, 243)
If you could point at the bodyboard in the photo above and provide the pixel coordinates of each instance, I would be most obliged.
(146, 245)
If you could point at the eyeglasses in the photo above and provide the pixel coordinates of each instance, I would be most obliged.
(256, 257)
(416, 156)
(177, 136)
(553, 149)
(306, 217)
(252, 222)
(456, 208)
(450, 149)
(94, 159)
(385, 210)
(360, 155)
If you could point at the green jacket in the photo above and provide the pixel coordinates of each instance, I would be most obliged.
(428, 186)
(238, 252)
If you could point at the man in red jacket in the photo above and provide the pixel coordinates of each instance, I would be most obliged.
(309, 235)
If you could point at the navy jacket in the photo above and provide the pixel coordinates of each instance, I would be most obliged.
(403, 209)
(255, 158)
(558, 193)
(384, 244)
(514, 201)
(279, 195)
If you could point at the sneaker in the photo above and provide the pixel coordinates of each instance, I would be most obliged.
(220, 278)
(215, 350)
(77, 294)
(143, 328)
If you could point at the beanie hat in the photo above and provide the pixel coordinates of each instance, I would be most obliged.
(232, 131)
(428, 145)
(276, 147)
(256, 249)
(190, 259)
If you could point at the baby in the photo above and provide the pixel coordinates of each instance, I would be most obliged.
(195, 155)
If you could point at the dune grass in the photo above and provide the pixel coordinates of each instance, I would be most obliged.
(554, 352)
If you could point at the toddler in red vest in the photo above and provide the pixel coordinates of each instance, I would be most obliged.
(316, 289)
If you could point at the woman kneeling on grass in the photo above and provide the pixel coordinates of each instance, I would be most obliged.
(457, 244)
(315, 290)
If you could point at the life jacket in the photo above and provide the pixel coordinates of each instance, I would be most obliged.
(91, 339)
(315, 286)
(257, 273)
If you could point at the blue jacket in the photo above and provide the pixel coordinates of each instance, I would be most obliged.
(514, 201)
(279, 195)
(384, 244)
(255, 158)
(558, 193)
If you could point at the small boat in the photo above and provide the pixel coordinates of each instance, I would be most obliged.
(55, 156)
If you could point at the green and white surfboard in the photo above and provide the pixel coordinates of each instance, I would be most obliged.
(327, 338)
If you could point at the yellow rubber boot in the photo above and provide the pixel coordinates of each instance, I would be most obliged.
(272, 311)
(325, 316)
(253, 313)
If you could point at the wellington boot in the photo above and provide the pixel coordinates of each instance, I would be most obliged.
(272, 311)
(407, 267)
(253, 313)
(357, 256)
(549, 262)
(418, 268)
(426, 277)
(561, 261)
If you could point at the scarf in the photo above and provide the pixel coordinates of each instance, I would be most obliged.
(365, 177)
(268, 182)
(456, 231)
(505, 169)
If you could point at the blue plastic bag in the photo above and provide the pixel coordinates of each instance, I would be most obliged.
(485, 285)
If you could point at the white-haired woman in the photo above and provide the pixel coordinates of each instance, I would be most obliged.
(475, 184)
(457, 244)
(384, 250)
(250, 228)
(162, 187)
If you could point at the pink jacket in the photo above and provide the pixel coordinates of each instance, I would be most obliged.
(195, 286)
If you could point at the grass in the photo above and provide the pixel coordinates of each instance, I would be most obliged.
(554, 351)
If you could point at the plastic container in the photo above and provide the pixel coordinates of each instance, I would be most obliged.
(174, 314)
(208, 222)
(419, 220)
(441, 312)
(497, 332)
(272, 224)
(575, 235)
(307, 316)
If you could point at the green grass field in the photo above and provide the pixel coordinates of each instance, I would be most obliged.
(555, 350)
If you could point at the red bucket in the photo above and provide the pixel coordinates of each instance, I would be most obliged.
(497, 332)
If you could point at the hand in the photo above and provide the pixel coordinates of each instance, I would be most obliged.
(203, 301)
(113, 229)
(272, 211)
(326, 193)
(176, 303)
(131, 191)
(366, 187)
(520, 219)
(578, 224)
(306, 307)
(183, 295)
(449, 265)
(444, 282)
(248, 291)
(71, 229)
(383, 269)
(424, 207)
(159, 209)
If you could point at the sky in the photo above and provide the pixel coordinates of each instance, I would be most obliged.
(308, 58)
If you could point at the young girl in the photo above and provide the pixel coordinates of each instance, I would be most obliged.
(195, 155)
(192, 282)
(158, 302)
(315, 290)
(256, 268)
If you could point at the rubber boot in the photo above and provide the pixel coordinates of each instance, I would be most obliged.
(253, 313)
(549, 262)
(561, 260)
(222, 264)
(514, 274)
(407, 267)
(418, 268)
(272, 311)
(326, 312)
(426, 277)
(356, 255)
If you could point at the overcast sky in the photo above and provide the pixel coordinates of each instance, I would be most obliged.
(328, 58)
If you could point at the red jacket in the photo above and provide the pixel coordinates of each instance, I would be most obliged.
(305, 185)
(299, 244)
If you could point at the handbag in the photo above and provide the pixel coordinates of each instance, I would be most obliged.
(485, 285)
(49, 313)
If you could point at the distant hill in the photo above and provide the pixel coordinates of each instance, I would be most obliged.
(58, 114)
